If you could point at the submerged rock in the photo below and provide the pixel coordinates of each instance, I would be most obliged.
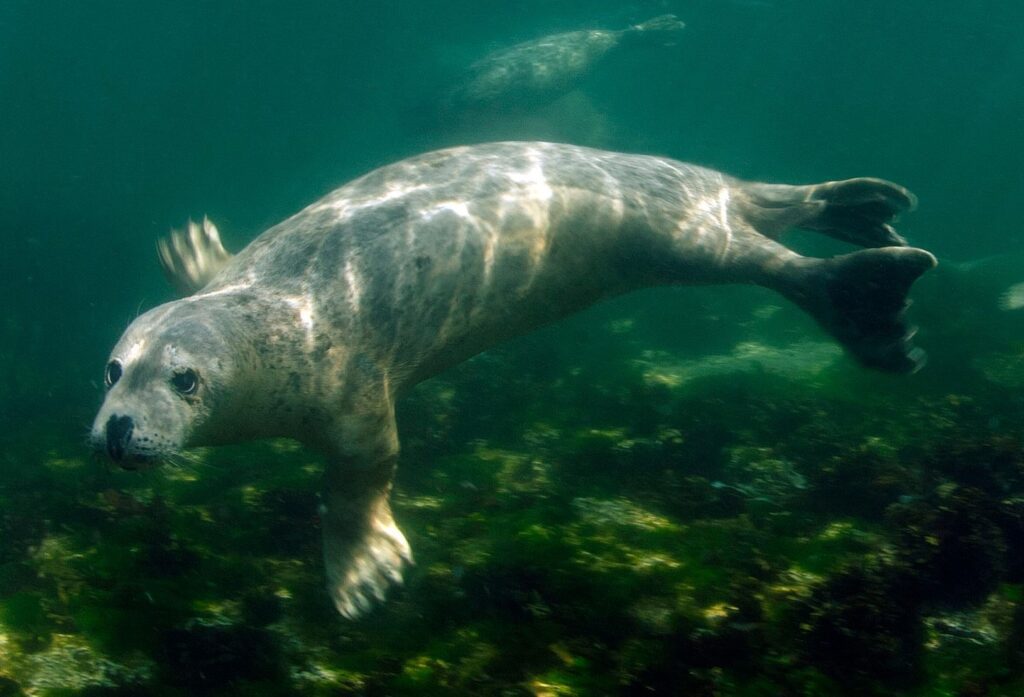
(864, 624)
(950, 544)
(9, 688)
(206, 658)
(71, 664)
(800, 361)
(1009, 515)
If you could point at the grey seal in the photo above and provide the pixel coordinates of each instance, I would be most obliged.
(317, 326)
(534, 73)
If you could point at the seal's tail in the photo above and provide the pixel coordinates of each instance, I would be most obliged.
(858, 211)
(861, 299)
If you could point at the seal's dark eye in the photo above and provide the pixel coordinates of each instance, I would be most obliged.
(185, 381)
(113, 373)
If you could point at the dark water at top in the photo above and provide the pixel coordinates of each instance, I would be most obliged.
(119, 120)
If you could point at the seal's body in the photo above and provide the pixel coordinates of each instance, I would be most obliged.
(316, 327)
(537, 72)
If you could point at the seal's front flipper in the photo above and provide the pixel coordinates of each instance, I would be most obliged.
(1013, 299)
(858, 211)
(191, 257)
(861, 299)
(364, 552)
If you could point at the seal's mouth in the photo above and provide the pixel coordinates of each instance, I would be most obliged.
(119, 442)
(130, 462)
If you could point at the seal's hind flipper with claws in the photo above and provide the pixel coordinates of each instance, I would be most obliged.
(858, 211)
(861, 299)
(191, 257)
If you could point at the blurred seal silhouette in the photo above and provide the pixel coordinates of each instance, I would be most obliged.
(316, 327)
(534, 73)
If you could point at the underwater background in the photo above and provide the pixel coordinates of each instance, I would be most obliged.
(684, 491)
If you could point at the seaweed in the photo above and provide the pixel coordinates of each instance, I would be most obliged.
(753, 522)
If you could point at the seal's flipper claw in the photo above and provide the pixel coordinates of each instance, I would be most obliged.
(190, 258)
(861, 299)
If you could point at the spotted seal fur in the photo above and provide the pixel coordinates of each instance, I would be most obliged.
(316, 327)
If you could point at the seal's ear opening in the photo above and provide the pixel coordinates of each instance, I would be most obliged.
(861, 300)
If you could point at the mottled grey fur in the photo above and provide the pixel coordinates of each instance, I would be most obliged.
(315, 328)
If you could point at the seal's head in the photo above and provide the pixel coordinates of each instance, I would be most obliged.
(167, 379)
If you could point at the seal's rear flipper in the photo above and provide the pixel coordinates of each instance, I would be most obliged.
(662, 23)
(860, 299)
(191, 257)
(858, 211)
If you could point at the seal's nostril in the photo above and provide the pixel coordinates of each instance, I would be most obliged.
(119, 433)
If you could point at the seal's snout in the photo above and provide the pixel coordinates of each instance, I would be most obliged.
(119, 434)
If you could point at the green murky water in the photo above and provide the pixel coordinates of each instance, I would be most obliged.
(685, 491)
